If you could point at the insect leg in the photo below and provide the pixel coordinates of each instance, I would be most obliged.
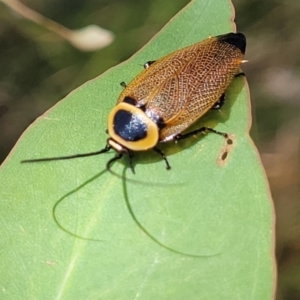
(229, 141)
(239, 74)
(123, 84)
(222, 99)
(149, 63)
(163, 157)
(201, 130)
(130, 155)
(219, 103)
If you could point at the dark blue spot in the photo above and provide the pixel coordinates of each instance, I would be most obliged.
(129, 126)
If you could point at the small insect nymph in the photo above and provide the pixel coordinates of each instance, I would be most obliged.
(169, 95)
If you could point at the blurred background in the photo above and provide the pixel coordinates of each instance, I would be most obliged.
(38, 68)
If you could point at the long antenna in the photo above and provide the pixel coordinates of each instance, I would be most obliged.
(106, 149)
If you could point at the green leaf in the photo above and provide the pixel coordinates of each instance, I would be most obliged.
(206, 230)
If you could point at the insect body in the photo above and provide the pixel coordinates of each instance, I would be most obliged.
(170, 94)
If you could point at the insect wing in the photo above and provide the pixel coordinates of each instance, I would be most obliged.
(185, 84)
